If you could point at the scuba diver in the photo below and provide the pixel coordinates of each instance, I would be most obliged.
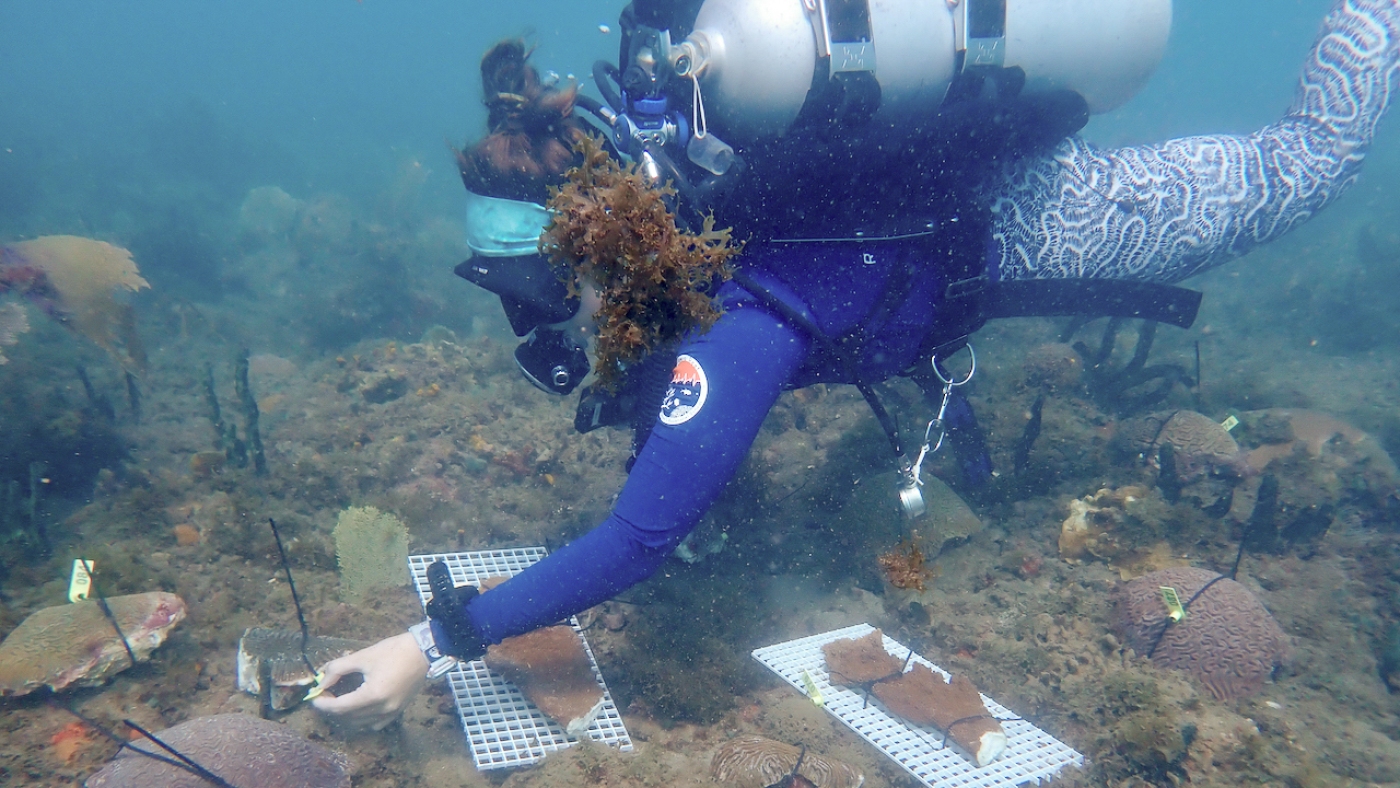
(901, 173)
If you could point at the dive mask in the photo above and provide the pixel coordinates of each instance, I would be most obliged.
(504, 237)
(498, 227)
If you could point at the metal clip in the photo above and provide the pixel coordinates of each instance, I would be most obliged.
(931, 444)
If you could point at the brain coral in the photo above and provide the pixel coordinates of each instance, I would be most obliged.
(1199, 443)
(1227, 639)
(242, 749)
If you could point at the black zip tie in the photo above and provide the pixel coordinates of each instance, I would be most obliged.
(1185, 607)
(189, 763)
(907, 659)
(869, 688)
(984, 716)
(107, 610)
(296, 601)
(796, 766)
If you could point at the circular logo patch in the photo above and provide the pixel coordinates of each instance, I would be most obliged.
(687, 392)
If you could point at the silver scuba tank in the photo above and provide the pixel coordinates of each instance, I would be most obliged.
(757, 60)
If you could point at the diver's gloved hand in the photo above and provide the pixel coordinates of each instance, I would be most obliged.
(394, 670)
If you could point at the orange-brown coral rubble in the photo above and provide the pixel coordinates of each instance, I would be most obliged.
(70, 740)
(904, 566)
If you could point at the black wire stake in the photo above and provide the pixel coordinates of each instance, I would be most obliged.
(1234, 570)
(296, 600)
(119, 741)
(180, 761)
(107, 611)
(188, 762)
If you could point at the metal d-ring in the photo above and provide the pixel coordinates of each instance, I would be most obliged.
(971, 370)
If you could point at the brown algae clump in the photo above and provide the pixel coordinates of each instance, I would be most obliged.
(611, 227)
(904, 566)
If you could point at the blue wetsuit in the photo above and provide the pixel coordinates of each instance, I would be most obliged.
(1157, 212)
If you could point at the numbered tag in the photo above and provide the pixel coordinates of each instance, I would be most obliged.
(1175, 611)
(318, 687)
(81, 583)
(812, 691)
(1230, 423)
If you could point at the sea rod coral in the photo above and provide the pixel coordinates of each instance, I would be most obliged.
(611, 228)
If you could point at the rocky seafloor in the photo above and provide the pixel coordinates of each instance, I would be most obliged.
(439, 429)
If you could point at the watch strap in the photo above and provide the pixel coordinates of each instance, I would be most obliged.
(438, 662)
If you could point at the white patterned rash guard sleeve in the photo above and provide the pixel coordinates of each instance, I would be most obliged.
(1164, 212)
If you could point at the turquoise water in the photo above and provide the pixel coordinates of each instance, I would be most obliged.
(281, 173)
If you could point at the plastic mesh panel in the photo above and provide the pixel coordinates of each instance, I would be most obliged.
(503, 728)
(1031, 754)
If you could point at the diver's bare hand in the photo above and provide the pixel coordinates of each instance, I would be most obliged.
(394, 670)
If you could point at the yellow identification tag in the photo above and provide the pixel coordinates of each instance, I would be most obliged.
(812, 691)
(81, 583)
(1174, 609)
(317, 688)
(1230, 423)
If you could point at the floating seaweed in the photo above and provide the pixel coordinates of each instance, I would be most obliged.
(611, 228)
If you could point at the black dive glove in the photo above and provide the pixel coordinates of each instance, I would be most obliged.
(448, 612)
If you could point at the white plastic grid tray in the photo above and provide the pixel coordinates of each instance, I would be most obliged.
(503, 728)
(1031, 754)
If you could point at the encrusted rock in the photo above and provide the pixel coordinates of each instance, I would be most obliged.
(278, 655)
(384, 387)
(1095, 525)
(1323, 469)
(1053, 366)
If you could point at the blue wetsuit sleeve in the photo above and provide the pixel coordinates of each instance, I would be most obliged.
(1164, 212)
(743, 362)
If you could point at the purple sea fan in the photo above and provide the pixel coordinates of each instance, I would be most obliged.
(1227, 639)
